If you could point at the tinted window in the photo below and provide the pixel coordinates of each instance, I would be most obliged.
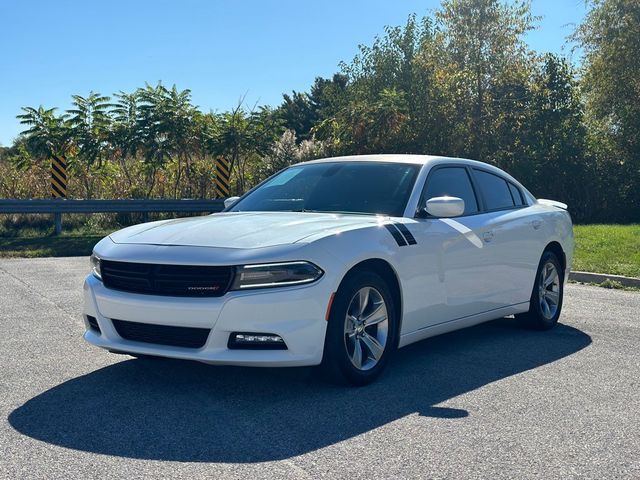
(452, 182)
(356, 187)
(516, 194)
(495, 190)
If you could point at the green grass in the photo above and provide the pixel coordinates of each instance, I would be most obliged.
(611, 249)
(33, 236)
(48, 246)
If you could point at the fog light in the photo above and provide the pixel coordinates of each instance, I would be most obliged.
(256, 341)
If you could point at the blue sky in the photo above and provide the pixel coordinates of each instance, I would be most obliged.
(221, 50)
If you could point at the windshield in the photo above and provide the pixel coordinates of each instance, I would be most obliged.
(344, 187)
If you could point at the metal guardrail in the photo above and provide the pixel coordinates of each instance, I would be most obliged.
(109, 206)
(60, 206)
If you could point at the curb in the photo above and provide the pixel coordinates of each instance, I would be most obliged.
(588, 277)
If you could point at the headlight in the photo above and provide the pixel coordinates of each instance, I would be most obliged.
(275, 275)
(95, 266)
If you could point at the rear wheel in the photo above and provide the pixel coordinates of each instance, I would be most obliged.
(362, 332)
(548, 291)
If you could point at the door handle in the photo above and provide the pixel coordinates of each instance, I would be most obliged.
(536, 224)
(487, 236)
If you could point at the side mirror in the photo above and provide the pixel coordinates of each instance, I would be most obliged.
(228, 202)
(445, 206)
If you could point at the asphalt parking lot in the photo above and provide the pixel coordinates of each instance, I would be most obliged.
(493, 401)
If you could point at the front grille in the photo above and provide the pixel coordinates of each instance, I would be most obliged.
(187, 337)
(167, 280)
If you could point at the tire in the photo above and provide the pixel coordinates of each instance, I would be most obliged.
(370, 330)
(548, 291)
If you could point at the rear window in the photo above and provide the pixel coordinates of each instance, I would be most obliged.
(495, 190)
(516, 194)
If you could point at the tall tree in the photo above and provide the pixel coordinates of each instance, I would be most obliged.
(485, 52)
(610, 39)
(166, 124)
(551, 149)
(90, 122)
(125, 136)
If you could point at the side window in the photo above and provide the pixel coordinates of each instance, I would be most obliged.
(452, 182)
(495, 190)
(516, 194)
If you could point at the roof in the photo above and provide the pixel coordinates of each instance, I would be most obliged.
(401, 158)
(394, 158)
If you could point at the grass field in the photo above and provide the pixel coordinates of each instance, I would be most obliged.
(599, 248)
(32, 236)
(48, 246)
(607, 249)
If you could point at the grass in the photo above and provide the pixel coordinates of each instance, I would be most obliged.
(613, 249)
(32, 235)
(610, 284)
(48, 246)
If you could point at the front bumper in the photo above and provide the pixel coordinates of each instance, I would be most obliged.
(297, 314)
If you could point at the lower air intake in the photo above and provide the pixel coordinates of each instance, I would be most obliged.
(93, 323)
(187, 337)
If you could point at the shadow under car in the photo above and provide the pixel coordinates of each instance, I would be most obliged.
(185, 411)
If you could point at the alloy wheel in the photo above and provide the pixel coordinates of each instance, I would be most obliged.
(549, 290)
(366, 328)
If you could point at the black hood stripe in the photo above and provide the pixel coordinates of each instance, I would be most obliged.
(407, 234)
(396, 234)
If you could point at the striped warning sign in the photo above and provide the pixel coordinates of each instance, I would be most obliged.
(222, 177)
(58, 176)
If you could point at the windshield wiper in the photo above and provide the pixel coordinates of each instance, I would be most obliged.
(344, 212)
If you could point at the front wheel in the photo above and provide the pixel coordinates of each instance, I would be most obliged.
(547, 295)
(362, 330)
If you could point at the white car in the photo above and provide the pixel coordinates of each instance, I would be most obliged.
(334, 262)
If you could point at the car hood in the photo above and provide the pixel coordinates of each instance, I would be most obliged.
(241, 229)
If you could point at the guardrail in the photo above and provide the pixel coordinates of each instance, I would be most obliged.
(59, 206)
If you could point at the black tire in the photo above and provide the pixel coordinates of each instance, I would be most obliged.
(538, 316)
(337, 365)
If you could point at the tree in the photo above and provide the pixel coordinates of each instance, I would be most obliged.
(125, 136)
(382, 91)
(552, 152)
(166, 123)
(48, 134)
(610, 39)
(486, 55)
(329, 95)
(298, 113)
(90, 124)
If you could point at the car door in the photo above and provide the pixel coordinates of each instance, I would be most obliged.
(508, 233)
(457, 246)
